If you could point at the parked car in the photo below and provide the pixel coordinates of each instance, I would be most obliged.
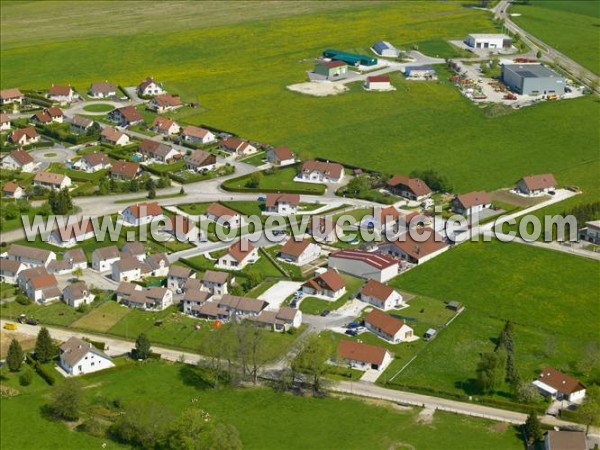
(351, 333)
(551, 192)
(32, 322)
(353, 325)
(325, 313)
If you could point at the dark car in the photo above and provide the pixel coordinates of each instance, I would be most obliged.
(351, 332)
(325, 313)
(32, 322)
(551, 192)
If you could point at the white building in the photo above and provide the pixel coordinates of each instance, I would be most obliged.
(240, 254)
(557, 385)
(365, 265)
(364, 356)
(177, 277)
(149, 88)
(328, 284)
(9, 270)
(29, 256)
(51, 180)
(78, 357)
(321, 172)
(77, 294)
(282, 204)
(416, 251)
(387, 327)
(280, 156)
(471, 203)
(103, 258)
(384, 48)
(19, 160)
(141, 213)
(227, 216)
(43, 289)
(378, 83)
(488, 41)
(197, 135)
(299, 252)
(536, 184)
(126, 269)
(215, 282)
(381, 295)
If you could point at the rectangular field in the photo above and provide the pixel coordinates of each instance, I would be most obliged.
(102, 318)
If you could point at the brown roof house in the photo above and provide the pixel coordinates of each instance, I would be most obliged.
(364, 356)
(61, 94)
(12, 190)
(164, 126)
(4, 122)
(299, 252)
(282, 204)
(387, 327)
(51, 180)
(113, 136)
(237, 146)
(536, 184)
(223, 215)
(81, 124)
(471, 203)
(8, 96)
(29, 256)
(19, 160)
(9, 270)
(141, 213)
(48, 116)
(43, 289)
(124, 170)
(103, 258)
(362, 264)
(242, 306)
(125, 116)
(429, 245)
(70, 234)
(381, 295)
(410, 188)
(102, 89)
(158, 151)
(201, 161)
(164, 102)
(555, 384)
(280, 156)
(321, 172)
(177, 277)
(149, 87)
(182, 228)
(77, 294)
(215, 282)
(240, 254)
(24, 136)
(197, 135)
(282, 320)
(93, 162)
(329, 285)
(78, 357)
(192, 301)
(565, 440)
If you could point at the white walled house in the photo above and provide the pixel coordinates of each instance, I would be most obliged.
(9, 270)
(282, 204)
(141, 213)
(282, 320)
(416, 251)
(378, 83)
(227, 216)
(149, 88)
(19, 160)
(93, 162)
(328, 284)
(24, 136)
(11, 96)
(43, 289)
(365, 265)
(29, 256)
(61, 94)
(560, 386)
(78, 357)
(103, 258)
(77, 294)
(215, 282)
(126, 269)
(321, 172)
(381, 295)
(177, 277)
(471, 203)
(536, 184)
(387, 327)
(364, 356)
(12, 190)
(299, 252)
(280, 156)
(113, 136)
(197, 135)
(51, 180)
(237, 258)
(164, 126)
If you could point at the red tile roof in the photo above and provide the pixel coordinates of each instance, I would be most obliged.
(474, 199)
(379, 79)
(418, 250)
(333, 170)
(365, 353)
(331, 280)
(111, 134)
(294, 247)
(49, 178)
(17, 134)
(9, 94)
(21, 156)
(559, 381)
(59, 90)
(219, 210)
(125, 169)
(10, 187)
(274, 199)
(332, 64)
(193, 131)
(147, 209)
(375, 289)
(385, 322)
(537, 182)
(283, 153)
(180, 224)
(415, 185)
(236, 250)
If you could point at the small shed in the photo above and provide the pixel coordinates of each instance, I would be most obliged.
(430, 334)
(455, 306)
(420, 72)
(331, 69)
(383, 48)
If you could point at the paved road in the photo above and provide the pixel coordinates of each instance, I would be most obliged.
(574, 69)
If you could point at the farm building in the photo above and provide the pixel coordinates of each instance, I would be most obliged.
(351, 59)
(383, 48)
(491, 41)
(533, 79)
(365, 265)
(420, 73)
(378, 83)
(331, 69)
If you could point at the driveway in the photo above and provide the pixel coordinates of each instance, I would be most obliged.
(277, 293)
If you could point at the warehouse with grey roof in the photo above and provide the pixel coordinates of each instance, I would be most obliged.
(533, 79)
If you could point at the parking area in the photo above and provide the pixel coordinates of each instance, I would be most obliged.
(277, 293)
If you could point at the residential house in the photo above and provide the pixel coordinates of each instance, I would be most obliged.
(201, 161)
(215, 282)
(113, 136)
(11, 96)
(280, 156)
(24, 136)
(240, 254)
(378, 83)
(193, 300)
(72, 259)
(51, 180)
(29, 256)
(362, 264)
(26, 275)
(282, 320)
(150, 299)
(157, 151)
(43, 289)
(136, 249)
(102, 89)
(127, 269)
(299, 252)
(19, 160)
(164, 126)
(182, 228)
(237, 146)
(71, 234)
(4, 122)
(103, 258)
(12, 190)
(125, 170)
(591, 233)
(324, 230)
(385, 219)
(413, 189)
(241, 306)
(159, 264)
(560, 386)
(223, 215)
(471, 203)
(61, 94)
(178, 275)
(125, 289)
(48, 116)
(321, 172)
(328, 284)
(387, 327)
(93, 162)
(282, 204)
(79, 357)
(565, 440)
(209, 311)
(149, 87)
(364, 356)
(126, 116)
(164, 102)
(81, 124)
(381, 295)
(9, 270)
(141, 213)
(197, 135)
(77, 294)
(536, 184)
(418, 251)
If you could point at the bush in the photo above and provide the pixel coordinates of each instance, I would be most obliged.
(92, 426)
(46, 373)
(25, 378)
(22, 299)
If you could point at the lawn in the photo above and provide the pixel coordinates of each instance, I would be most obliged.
(438, 48)
(430, 118)
(194, 208)
(279, 180)
(256, 160)
(57, 313)
(315, 306)
(264, 418)
(98, 107)
(78, 175)
(551, 298)
(102, 318)
(564, 25)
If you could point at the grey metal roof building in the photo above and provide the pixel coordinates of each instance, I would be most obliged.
(533, 79)
(383, 48)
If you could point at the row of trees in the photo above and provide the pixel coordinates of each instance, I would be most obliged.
(107, 186)
(60, 201)
(44, 350)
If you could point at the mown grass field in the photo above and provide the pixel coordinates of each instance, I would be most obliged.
(571, 27)
(551, 297)
(264, 418)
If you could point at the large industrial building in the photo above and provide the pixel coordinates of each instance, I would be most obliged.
(351, 59)
(533, 79)
(490, 41)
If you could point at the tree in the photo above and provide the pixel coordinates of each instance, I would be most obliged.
(78, 273)
(589, 411)
(189, 431)
(254, 180)
(224, 437)
(67, 400)
(143, 424)
(539, 54)
(14, 358)
(134, 186)
(149, 185)
(490, 371)
(142, 347)
(181, 191)
(313, 359)
(151, 194)
(506, 341)
(44, 347)
(533, 428)
(527, 393)
(433, 179)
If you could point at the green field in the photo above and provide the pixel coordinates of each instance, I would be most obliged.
(571, 27)
(264, 418)
(551, 298)
(98, 107)
(279, 180)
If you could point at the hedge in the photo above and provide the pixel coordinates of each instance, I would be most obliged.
(122, 89)
(42, 371)
(98, 344)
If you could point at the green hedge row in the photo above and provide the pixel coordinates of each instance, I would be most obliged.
(42, 371)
